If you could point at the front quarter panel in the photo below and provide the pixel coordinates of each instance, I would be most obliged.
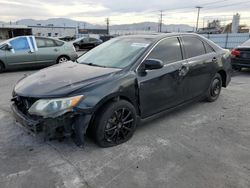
(3, 57)
(119, 85)
(226, 65)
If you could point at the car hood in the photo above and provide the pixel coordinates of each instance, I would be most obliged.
(61, 80)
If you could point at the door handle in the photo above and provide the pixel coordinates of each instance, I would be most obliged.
(30, 52)
(56, 50)
(183, 70)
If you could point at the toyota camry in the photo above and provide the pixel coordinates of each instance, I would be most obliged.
(111, 89)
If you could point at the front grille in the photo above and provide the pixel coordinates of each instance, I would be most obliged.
(24, 103)
(245, 55)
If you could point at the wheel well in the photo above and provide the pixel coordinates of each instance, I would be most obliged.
(223, 75)
(99, 108)
(2, 64)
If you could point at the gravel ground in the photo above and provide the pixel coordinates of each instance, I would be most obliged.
(201, 145)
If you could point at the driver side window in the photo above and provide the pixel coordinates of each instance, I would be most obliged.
(168, 51)
(20, 44)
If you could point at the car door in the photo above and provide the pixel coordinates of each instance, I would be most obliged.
(163, 88)
(21, 54)
(92, 42)
(84, 44)
(48, 51)
(201, 62)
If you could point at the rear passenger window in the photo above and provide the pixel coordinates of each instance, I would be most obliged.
(193, 46)
(209, 49)
(92, 40)
(50, 43)
(59, 43)
(168, 51)
(40, 43)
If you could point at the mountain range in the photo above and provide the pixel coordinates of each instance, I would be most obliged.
(64, 22)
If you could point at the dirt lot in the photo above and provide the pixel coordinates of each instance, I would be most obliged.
(202, 145)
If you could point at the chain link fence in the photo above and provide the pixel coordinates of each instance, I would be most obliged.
(229, 40)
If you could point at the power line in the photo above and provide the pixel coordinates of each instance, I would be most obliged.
(189, 7)
(233, 4)
(208, 7)
(180, 8)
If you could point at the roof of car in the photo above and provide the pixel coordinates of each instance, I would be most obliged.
(154, 37)
(158, 36)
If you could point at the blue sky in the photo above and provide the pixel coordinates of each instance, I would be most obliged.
(124, 11)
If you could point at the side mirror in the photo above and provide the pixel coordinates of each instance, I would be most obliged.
(8, 47)
(152, 64)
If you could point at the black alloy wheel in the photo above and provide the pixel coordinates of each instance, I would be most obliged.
(119, 126)
(116, 124)
(215, 88)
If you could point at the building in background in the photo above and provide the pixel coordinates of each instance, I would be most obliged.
(215, 27)
(10, 31)
(93, 31)
(235, 23)
(53, 31)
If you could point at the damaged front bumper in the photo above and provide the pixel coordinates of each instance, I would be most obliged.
(70, 124)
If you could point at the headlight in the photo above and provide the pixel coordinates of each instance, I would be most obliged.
(54, 107)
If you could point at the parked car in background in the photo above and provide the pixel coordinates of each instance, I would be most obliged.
(241, 56)
(86, 43)
(105, 38)
(29, 51)
(67, 38)
(111, 88)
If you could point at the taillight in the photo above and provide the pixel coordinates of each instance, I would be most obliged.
(235, 52)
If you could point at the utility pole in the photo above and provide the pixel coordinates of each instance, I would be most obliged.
(160, 22)
(198, 17)
(78, 27)
(107, 22)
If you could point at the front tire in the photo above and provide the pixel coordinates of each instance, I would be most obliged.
(214, 89)
(1, 67)
(115, 124)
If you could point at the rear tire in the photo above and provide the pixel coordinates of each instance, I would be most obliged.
(62, 59)
(2, 68)
(115, 124)
(214, 89)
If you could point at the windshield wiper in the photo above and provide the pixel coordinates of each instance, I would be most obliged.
(95, 65)
(91, 64)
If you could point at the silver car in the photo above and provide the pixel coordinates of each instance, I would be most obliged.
(30, 51)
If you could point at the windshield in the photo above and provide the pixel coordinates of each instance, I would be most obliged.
(2, 45)
(116, 53)
(79, 39)
(246, 44)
